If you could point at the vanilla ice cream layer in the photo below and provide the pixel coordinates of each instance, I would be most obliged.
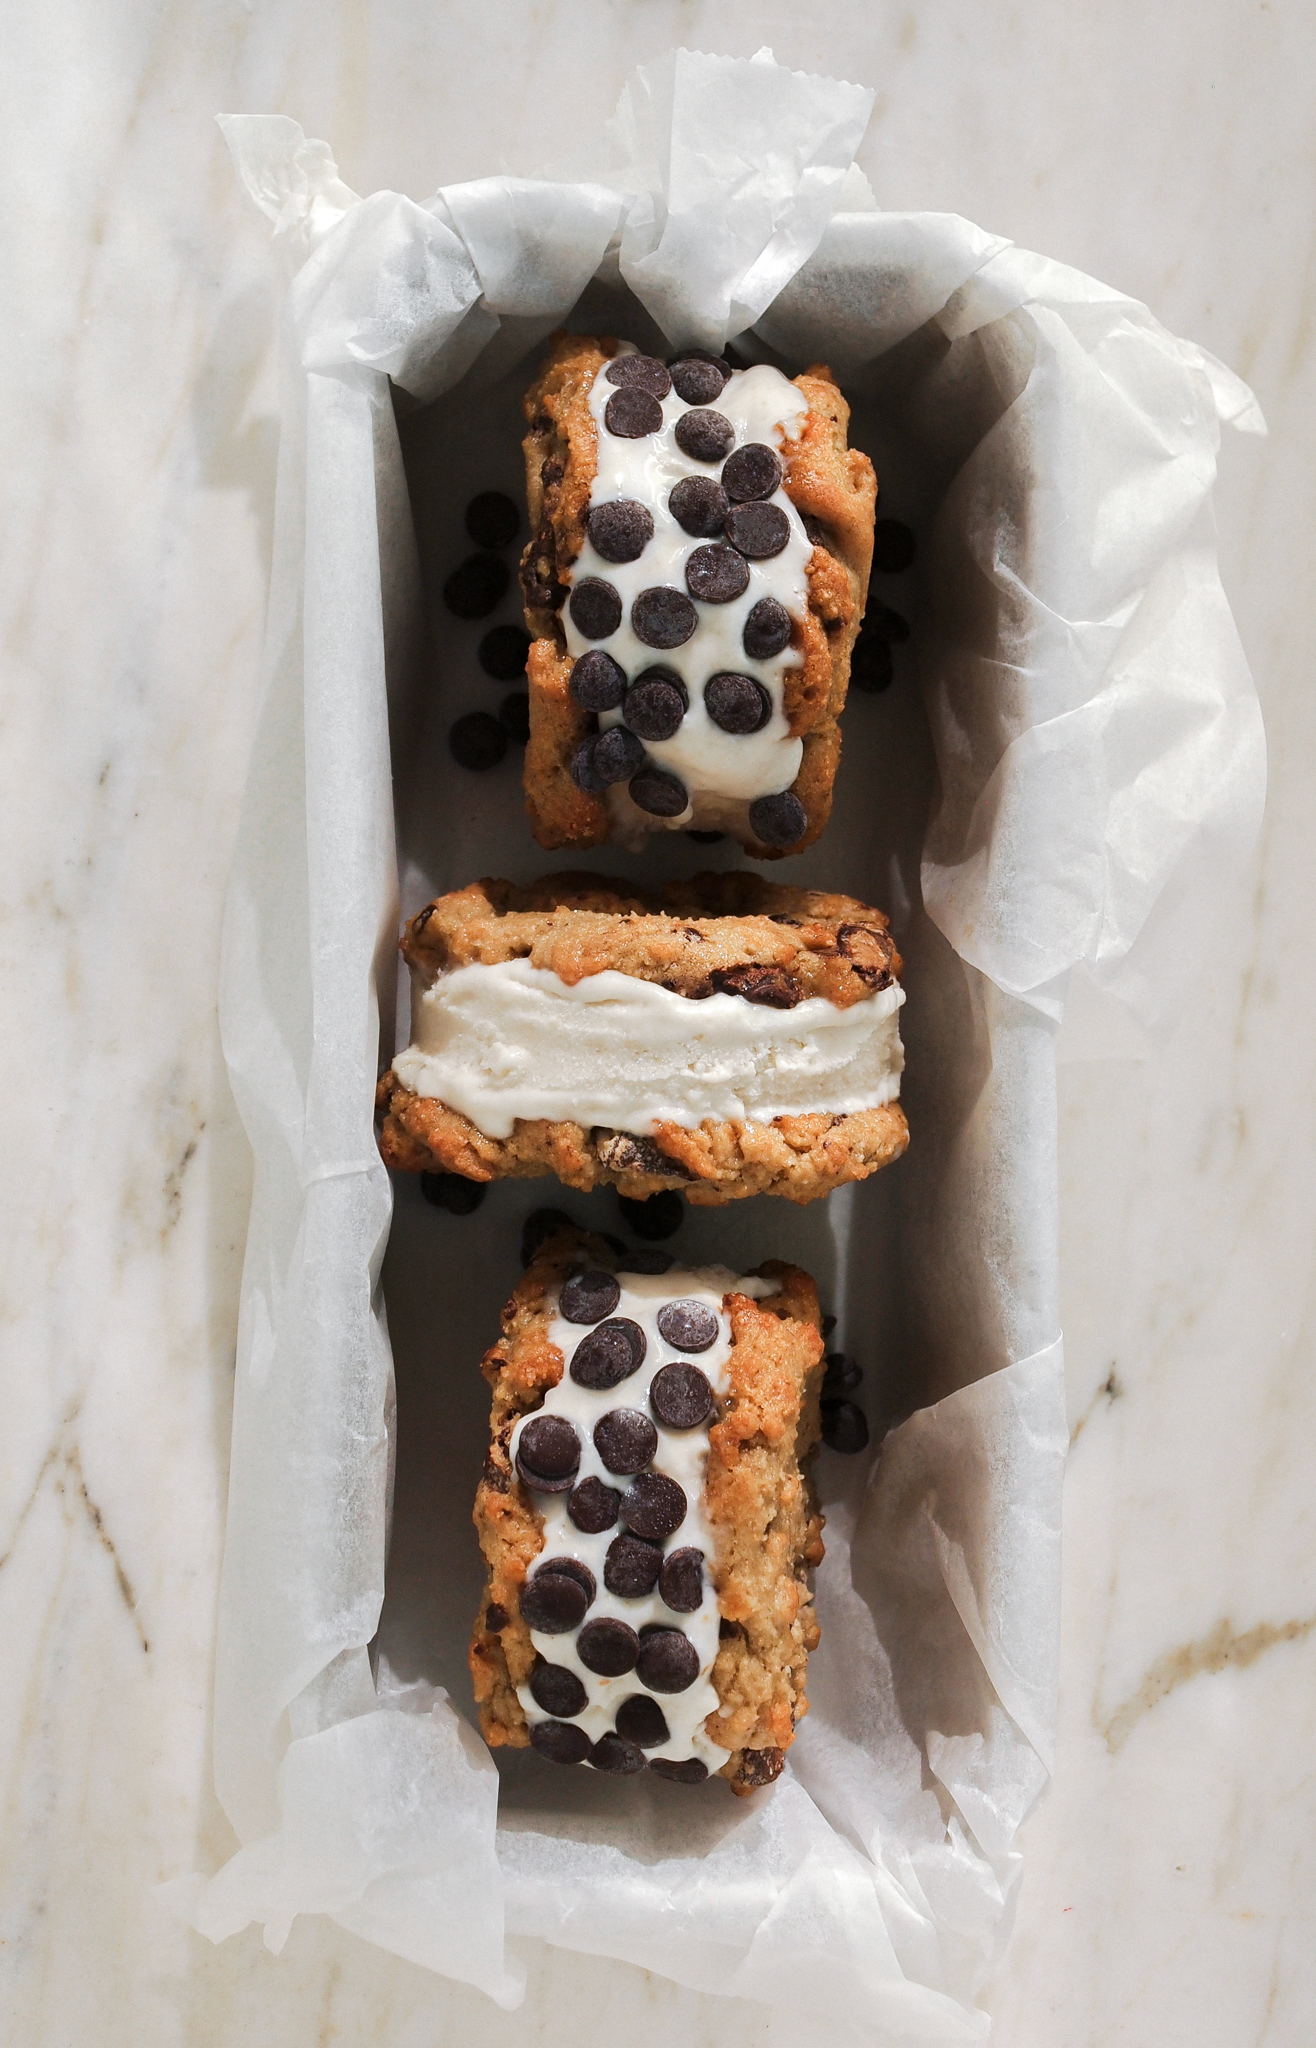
(510, 1041)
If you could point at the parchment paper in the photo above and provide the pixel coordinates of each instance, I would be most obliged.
(1089, 743)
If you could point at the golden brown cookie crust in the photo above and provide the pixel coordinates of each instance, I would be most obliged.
(834, 489)
(757, 1494)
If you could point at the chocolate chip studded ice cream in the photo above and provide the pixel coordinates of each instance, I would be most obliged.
(698, 569)
(646, 1516)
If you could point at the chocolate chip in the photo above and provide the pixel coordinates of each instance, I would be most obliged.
(548, 1453)
(496, 1617)
(706, 838)
(668, 1660)
(662, 617)
(472, 591)
(716, 574)
(612, 1753)
(620, 530)
(844, 1428)
(625, 1439)
(737, 703)
(654, 1505)
(698, 383)
(608, 1646)
(595, 608)
(771, 986)
(631, 1567)
(660, 794)
(594, 1507)
(681, 1397)
(514, 716)
(698, 355)
(778, 820)
(699, 504)
(618, 754)
(609, 1355)
(560, 1741)
(828, 1325)
(886, 624)
(598, 683)
(642, 1721)
(760, 1766)
(539, 1225)
(841, 1377)
(681, 1770)
(816, 531)
(588, 1297)
(553, 1604)
(767, 629)
(477, 741)
(558, 1691)
(645, 1262)
(581, 767)
(632, 414)
(754, 471)
(645, 372)
(871, 666)
(894, 546)
(572, 1568)
(453, 1192)
(492, 520)
(704, 436)
(758, 530)
(656, 702)
(687, 1325)
(504, 652)
(681, 1581)
(660, 1216)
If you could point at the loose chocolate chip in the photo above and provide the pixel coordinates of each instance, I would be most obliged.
(540, 1224)
(681, 1770)
(503, 653)
(645, 1262)
(660, 794)
(662, 617)
(654, 1505)
(631, 1567)
(687, 1325)
(620, 530)
(754, 471)
(758, 530)
(572, 1568)
(553, 1604)
(660, 1216)
(608, 1647)
(581, 767)
(477, 741)
(828, 1325)
(871, 666)
(558, 1691)
(588, 1297)
(716, 574)
(778, 820)
(680, 1397)
(894, 546)
(560, 1741)
(496, 1617)
(706, 838)
(595, 608)
(514, 716)
(737, 703)
(668, 1660)
(453, 1192)
(612, 1753)
(618, 754)
(699, 504)
(632, 414)
(698, 383)
(609, 1355)
(549, 1450)
(704, 436)
(656, 702)
(841, 1377)
(625, 1439)
(681, 1581)
(492, 519)
(598, 683)
(645, 372)
(594, 1507)
(642, 1721)
(888, 625)
(767, 629)
(472, 591)
(844, 1428)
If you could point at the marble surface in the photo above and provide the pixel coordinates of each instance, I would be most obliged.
(1169, 1878)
